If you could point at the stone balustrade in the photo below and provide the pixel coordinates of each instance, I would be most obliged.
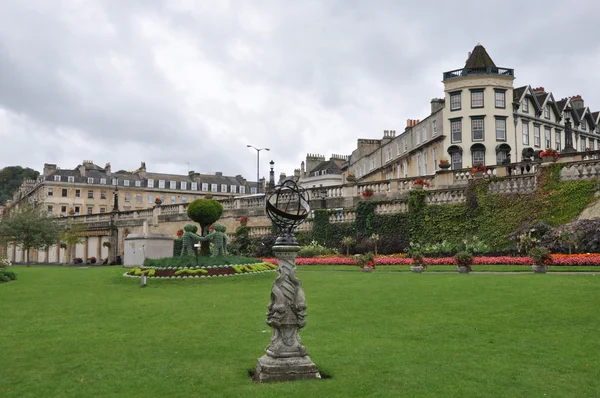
(516, 184)
(445, 196)
(390, 208)
(342, 216)
(586, 170)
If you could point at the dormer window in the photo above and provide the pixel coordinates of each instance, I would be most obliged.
(173, 184)
(161, 183)
(126, 183)
(56, 178)
(114, 181)
(138, 183)
(183, 185)
(71, 179)
(194, 186)
(323, 172)
(150, 183)
(103, 181)
(525, 106)
(547, 112)
(583, 126)
(90, 180)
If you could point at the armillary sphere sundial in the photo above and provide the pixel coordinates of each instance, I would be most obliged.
(285, 357)
(287, 206)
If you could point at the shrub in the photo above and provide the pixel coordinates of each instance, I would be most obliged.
(263, 245)
(203, 261)
(313, 250)
(392, 243)
(6, 275)
(242, 243)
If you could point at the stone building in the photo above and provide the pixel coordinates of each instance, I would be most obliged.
(90, 189)
(481, 119)
(318, 172)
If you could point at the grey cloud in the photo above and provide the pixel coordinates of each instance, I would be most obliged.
(154, 81)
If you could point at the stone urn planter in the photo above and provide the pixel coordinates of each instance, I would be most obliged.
(462, 269)
(539, 269)
(418, 186)
(478, 174)
(444, 166)
(548, 159)
(417, 268)
(350, 178)
(367, 269)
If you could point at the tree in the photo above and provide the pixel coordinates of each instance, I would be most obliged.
(30, 229)
(11, 178)
(71, 237)
(204, 212)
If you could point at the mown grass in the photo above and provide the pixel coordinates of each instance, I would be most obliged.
(91, 332)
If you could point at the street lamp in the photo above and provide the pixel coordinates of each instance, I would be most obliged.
(568, 132)
(116, 196)
(257, 165)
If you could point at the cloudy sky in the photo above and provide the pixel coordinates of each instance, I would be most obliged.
(178, 82)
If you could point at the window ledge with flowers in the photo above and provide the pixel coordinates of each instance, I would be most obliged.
(419, 183)
(367, 193)
(478, 170)
(549, 155)
(444, 164)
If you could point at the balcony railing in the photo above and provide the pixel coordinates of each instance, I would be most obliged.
(479, 71)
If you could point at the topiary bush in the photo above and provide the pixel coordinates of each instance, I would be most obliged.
(205, 212)
(177, 245)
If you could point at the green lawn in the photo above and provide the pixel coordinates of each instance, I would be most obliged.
(91, 332)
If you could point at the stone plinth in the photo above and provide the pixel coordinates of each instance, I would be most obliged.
(285, 358)
(139, 247)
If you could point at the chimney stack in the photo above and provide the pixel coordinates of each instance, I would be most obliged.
(437, 104)
(107, 169)
(49, 169)
(577, 102)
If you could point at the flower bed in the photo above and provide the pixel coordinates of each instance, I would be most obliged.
(558, 259)
(201, 272)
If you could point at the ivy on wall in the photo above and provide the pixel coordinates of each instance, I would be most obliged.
(491, 217)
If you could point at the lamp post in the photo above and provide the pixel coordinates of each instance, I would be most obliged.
(116, 196)
(568, 132)
(257, 165)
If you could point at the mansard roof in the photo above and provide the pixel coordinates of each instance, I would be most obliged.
(479, 58)
(330, 165)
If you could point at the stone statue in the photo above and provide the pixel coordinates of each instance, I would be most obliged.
(219, 239)
(189, 238)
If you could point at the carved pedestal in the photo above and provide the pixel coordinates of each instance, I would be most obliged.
(285, 357)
